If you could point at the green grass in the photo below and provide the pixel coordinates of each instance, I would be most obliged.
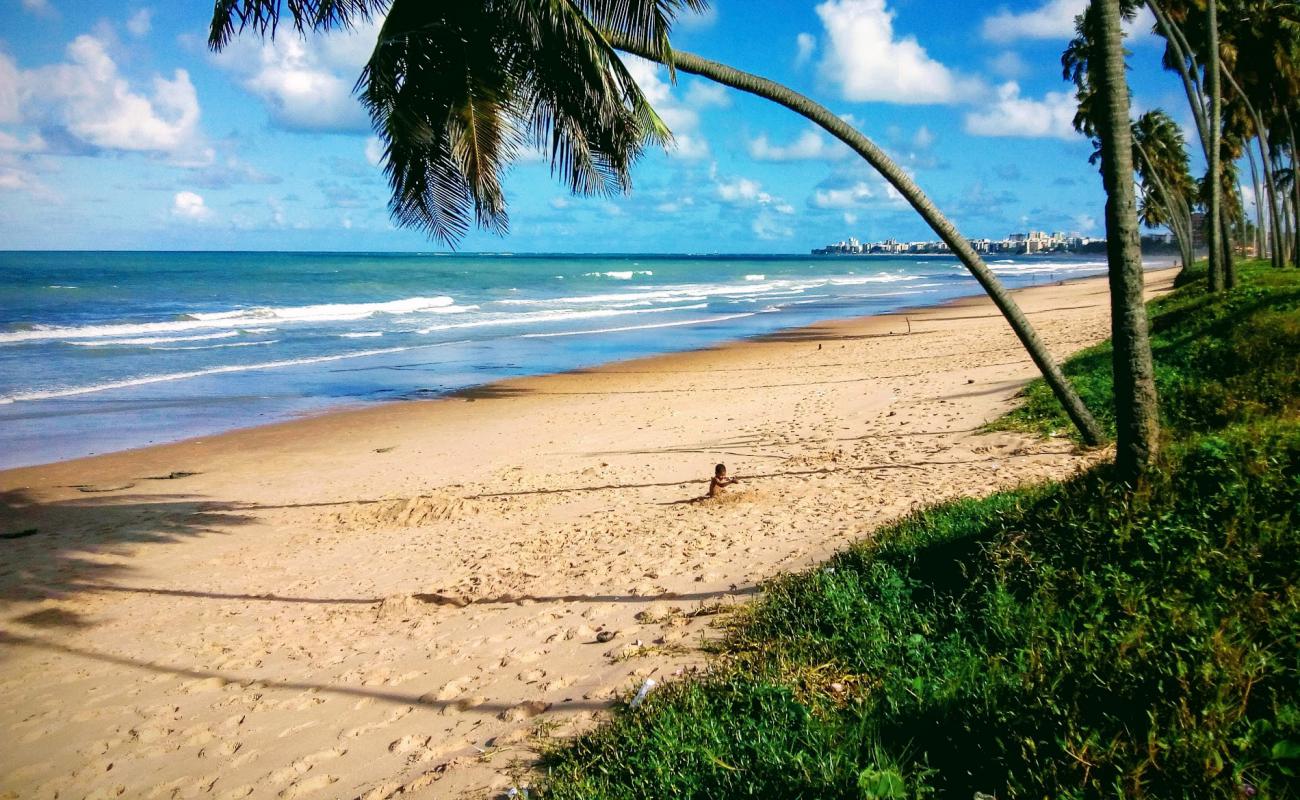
(1067, 640)
(1219, 360)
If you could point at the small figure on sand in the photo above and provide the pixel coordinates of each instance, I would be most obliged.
(719, 480)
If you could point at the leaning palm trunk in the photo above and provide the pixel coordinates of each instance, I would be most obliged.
(1175, 206)
(1196, 100)
(1295, 188)
(1259, 208)
(900, 180)
(1270, 195)
(1136, 415)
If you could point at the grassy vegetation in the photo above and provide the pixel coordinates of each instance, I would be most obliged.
(1069, 640)
(1219, 360)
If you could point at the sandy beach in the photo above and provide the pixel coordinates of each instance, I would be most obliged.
(404, 600)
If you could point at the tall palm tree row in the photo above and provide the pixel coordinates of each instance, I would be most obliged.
(1168, 189)
(1259, 54)
(456, 89)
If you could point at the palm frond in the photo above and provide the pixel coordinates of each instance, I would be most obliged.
(232, 17)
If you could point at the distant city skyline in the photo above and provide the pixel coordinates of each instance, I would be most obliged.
(120, 130)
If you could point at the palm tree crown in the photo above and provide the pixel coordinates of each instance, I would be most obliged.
(456, 90)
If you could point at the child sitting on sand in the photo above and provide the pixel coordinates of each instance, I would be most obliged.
(719, 480)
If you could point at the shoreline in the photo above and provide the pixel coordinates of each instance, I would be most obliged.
(379, 599)
(355, 405)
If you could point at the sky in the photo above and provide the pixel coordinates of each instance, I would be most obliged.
(119, 129)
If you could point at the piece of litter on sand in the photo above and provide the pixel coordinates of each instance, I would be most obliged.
(515, 791)
(605, 636)
(641, 693)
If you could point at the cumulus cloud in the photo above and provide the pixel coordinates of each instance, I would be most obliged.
(9, 109)
(39, 7)
(1052, 20)
(190, 206)
(806, 44)
(305, 82)
(811, 145)
(374, 151)
(681, 114)
(854, 187)
(867, 62)
(768, 222)
(89, 101)
(768, 226)
(1010, 114)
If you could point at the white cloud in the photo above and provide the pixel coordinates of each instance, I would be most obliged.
(1008, 64)
(692, 21)
(681, 115)
(704, 94)
(374, 151)
(868, 63)
(748, 193)
(743, 191)
(768, 226)
(846, 197)
(1052, 20)
(13, 144)
(1009, 114)
(9, 108)
(810, 145)
(807, 45)
(923, 138)
(139, 23)
(305, 82)
(40, 7)
(190, 206)
(87, 98)
(854, 187)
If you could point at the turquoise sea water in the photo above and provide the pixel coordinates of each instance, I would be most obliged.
(106, 351)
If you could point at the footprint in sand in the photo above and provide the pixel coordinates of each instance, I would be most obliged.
(362, 730)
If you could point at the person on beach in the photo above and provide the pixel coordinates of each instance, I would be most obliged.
(719, 480)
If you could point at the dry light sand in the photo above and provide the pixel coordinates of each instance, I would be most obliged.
(399, 601)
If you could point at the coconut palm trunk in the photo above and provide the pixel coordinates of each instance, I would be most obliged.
(1214, 216)
(1270, 196)
(1295, 187)
(1176, 210)
(1185, 61)
(1260, 246)
(912, 193)
(1136, 415)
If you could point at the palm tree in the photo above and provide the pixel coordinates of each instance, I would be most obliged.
(1136, 413)
(454, 89)
(1168, 189)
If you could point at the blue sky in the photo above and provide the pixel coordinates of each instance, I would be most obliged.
(120, 130)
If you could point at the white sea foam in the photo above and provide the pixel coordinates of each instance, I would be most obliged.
(534, 317)
(177, 376)
(884, 277)
(638, 327)
(361, 334)
(755, 277)
(240, 318)
(671, 293)
(158, 340)
(217, 346)
(619, 275)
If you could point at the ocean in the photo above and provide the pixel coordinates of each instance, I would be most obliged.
(104, 351)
